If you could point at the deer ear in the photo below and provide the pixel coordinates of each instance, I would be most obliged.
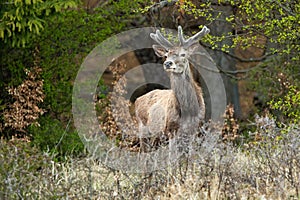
(159, 50)
(192, 48)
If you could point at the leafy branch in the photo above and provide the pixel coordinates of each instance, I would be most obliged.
(22, 20)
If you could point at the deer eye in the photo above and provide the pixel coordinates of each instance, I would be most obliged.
(182, 55)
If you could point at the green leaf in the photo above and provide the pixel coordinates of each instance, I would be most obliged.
(1, 33)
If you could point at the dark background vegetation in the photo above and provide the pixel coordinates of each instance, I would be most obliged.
(255, 44)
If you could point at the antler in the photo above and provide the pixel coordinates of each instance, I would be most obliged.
(192, 40)
(160, 39)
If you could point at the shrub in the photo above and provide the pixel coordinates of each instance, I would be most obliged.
(288, 105)
(53, 136)
(25, 110)
(65, 41)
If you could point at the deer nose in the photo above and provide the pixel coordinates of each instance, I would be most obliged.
(168, 64)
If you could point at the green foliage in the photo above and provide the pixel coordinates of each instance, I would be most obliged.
(289, 105)
(53, 136)
(63, 46)
(250, 21)
(18, 159)
(61, 56)
(273, 79)
(22, 20)
(26, 153)
(278, 21)
(64, 42)
(273, 28)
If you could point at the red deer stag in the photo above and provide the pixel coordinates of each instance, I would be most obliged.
(167, 111)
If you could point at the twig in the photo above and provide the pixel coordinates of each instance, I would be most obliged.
(285, 8)
(61, 138)
(259, 59)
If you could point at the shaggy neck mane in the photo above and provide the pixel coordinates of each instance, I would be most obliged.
(188, 94)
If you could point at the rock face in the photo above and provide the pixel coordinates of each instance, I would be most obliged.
(249, 97)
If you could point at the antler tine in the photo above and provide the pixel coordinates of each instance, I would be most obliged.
(180, 36)
(193, 39)
(160, 39)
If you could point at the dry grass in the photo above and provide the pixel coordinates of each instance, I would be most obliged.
(267, 169)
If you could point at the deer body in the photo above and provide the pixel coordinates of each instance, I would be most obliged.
(165, 111)
(156, 114)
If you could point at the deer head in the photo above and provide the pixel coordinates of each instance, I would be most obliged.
(176, 56)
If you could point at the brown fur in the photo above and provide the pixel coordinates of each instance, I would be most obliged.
(160, 109)
(161, 99)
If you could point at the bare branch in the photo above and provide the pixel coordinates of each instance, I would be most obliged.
(155, 7)
(258, 59)
(285, 8)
